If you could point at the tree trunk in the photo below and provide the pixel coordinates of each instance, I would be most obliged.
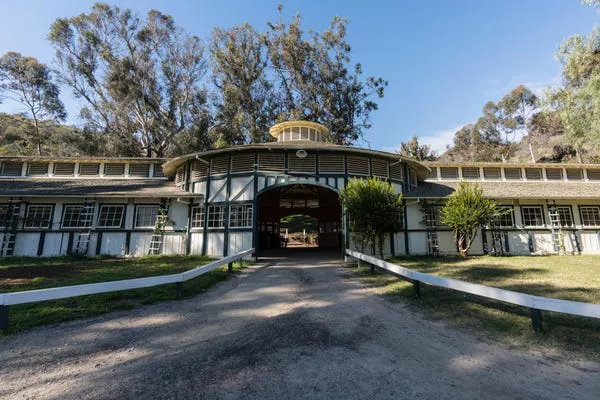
(531, 152)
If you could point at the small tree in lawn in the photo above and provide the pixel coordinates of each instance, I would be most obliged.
(465, 212)
(373, 208)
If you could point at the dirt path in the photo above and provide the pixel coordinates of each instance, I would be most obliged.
(296, 329)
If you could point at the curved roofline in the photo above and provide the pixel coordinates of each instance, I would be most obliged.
(171, 166)
(508, 165)
(275, 130)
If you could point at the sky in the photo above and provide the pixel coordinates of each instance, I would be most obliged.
(443, 59)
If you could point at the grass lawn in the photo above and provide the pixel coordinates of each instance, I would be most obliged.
(563, 277)
(28, 273)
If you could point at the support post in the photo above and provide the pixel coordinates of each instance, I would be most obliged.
(3, 318)
(536, 320)
(241, 263)
(230, 267)
(417, 288)
(372, 269)
(178, 289)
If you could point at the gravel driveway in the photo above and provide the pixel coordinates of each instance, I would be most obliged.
(295, 329)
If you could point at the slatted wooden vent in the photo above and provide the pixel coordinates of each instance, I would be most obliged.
(396, 171)
(331, 164)
(449, 172)
(593, 174)
(534, 174)
(554, 174)
(242, 162)
(158, 171)
(379, 168)
(11, 168)
(180, 175)
(89, 169)
(114, 169)
(306, 165)
(139, 170)
(219, 165)
(64, 169)
(512, 174)
(491, 173)
(574, 174)
(271, 162)
(37, 169)
(199, 170)
(470, 173)
(358, 165)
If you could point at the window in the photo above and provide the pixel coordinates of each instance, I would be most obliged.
(590, 216)
(512, 173)
(37, 169)
(449, 172)
(532, 216)
(139, 170)
(9, 214)
(38, 216)
(198, 217)
(240, 216)
(491, 173)
(574, 174)
(554, 174)
(111, 216)
(506, 220)
(216, 216)
(64, 169)
(89, 169)
(77, 216)
(114, 169)
(145, 215)
(534, 174)
(565, 216)
(432, 216)
(11, 168)
(470, 173)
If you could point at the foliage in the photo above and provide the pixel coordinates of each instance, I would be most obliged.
(140, 79)
(373, 209)
(466, 211)
(28, 82)
(296, 223)
(288, 74)
(412, 149)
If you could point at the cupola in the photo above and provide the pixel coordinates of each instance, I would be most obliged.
(299, 130)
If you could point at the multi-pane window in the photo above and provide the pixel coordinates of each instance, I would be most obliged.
(77, 216)
(38, 216)
(565, 216)
(198, 217)
(145, 215)
(532, 216)
(506, 218)
(240, 216)
(432, 216)
(590, 215)
(216, 216)
(111, 216)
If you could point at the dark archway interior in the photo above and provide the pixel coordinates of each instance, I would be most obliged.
(304, 199)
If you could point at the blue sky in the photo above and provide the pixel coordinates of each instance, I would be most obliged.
(443, 59)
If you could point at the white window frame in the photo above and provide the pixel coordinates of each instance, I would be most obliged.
(139, 208)
(497, 223)
(560, 210)
(34, 221)
(541, 215)
(216, 217)
(103, 208)
(77, 223)
(240, 215)
(585, 211)
(197, 219)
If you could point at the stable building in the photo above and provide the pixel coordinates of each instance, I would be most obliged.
(223, 201)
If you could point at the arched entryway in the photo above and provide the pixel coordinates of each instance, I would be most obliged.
(312, 200)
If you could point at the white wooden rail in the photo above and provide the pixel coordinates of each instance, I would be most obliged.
(30, 296)
(535, 303)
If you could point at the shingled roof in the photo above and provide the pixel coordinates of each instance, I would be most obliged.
(50, 187)
(513, 190)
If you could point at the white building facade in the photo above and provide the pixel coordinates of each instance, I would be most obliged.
(223, 201)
